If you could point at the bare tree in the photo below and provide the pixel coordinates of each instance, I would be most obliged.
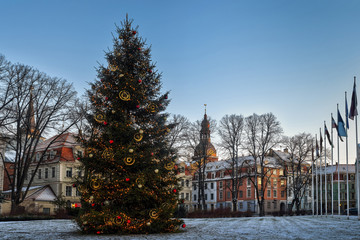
(198, 143)
(298, 167)
(262, 133)
(40, 105)
(176, 138)
(230, 132)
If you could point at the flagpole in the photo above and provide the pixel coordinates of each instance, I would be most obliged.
(332, 172)
(312, 178)
(347, 167)
(320, 172)
(316, 179)
(338, 168)
(326, 210)
(354, 113)
(357, 170)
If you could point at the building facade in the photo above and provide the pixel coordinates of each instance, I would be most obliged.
(60, 167)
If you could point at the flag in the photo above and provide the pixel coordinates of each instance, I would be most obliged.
(353, 107)
(328, 136)
(321, 141)
(317, 149)
(334, 125)
(346, 113)
(341, 126)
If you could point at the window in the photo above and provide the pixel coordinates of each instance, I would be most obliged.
(221, 174)
(187, 183)
(182, 182)
(79, 153)
(282, 194)
(248, 193)
(281, 172)
(221, 195)
(68, 172)
(194, 186)
(241, 194)
(212, 175)
(39, 173)
(38, 157)
(241, 205)
(46, 211)
(268, 205)
(249, 182)
(282, 183)
(228, 195)
(194, 197)
(187, 196)
(228, 184)
(275, 182)
(52, 154)
(205, 185)
(212, 185)
(240, 182)
(220, 184)
(53, 172)
(205, 196)
(212, 196)
(275, 193)
(269, 193)
(182, 196)
(68, 191)
(46, 172)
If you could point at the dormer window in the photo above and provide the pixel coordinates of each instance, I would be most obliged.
(52, 154)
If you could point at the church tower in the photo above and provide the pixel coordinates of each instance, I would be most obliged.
(205, 148)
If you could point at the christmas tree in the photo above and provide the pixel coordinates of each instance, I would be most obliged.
(130, 183)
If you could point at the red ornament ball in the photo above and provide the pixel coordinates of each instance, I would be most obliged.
(127, 179)
(139, 80)
(78, 158)
(139, 49)
(105, 123)
(118, 217)
(183, 226)
(134, 32)
(166, 96)
(128, 221)
(137, 106)
(150, 71)
(174, 190)
(74, 185)
(152, 154)
(93, 204)
(111, 141)
(98, 232)
(106, 98)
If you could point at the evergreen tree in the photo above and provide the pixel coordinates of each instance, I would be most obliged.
(130, 184)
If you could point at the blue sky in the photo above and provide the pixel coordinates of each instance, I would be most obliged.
(292, 58)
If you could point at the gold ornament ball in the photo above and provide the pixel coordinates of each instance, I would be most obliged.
(106, 202)
(140, 186)
(141, 131)
(131, 150)
(91, 155)
(156, 170)
(148, 223)
(113, 111)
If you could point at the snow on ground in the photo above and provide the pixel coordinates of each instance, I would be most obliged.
(274, 228)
